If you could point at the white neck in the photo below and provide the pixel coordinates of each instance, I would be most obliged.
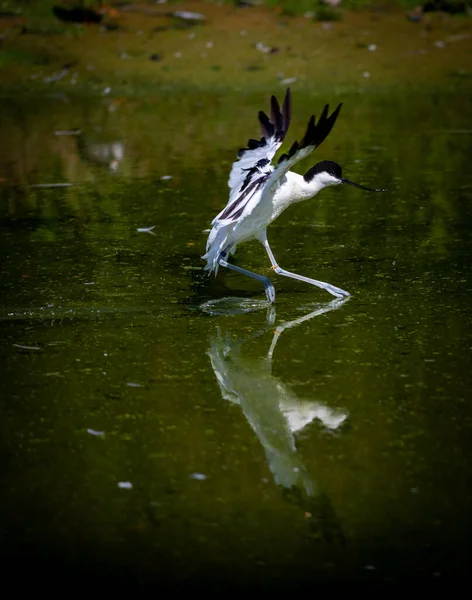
(294, 188)
(302, 189)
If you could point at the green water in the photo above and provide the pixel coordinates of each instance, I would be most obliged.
(316, 441)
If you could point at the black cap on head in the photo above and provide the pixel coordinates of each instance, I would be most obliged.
(333, 169)
(327, 166)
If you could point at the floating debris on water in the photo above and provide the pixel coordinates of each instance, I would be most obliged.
(125, 485)
(96, 433)
(26, 347)
(56, 76)
(50, 185)
(198, 476)
(68, 132)
(131, 384)
(146, 230)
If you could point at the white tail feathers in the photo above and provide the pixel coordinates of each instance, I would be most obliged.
(217, 242)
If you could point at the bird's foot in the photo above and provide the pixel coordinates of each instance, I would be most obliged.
(335, 291)
(270, 292)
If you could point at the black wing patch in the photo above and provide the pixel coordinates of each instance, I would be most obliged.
(235, 209)
(315, 133)
(260, 164)
(252, 145)
(276, 127)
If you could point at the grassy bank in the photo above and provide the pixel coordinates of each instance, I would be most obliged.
(141, 47)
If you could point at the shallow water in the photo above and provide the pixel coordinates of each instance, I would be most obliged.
(168, 426)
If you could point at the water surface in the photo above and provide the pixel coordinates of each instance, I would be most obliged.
(162, 425)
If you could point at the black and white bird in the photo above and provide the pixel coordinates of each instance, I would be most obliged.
(261, 191)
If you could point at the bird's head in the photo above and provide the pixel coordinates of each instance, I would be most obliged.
(328, 172)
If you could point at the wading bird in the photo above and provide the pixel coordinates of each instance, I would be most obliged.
(260, 191)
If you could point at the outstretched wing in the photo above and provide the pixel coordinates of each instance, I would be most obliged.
(273, 132)
(315, 134)
(250, 171)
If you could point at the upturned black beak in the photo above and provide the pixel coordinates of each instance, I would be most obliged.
(362, 187)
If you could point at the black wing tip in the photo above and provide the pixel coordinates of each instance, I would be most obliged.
(316, 132)
(279, 121)
(275, 126)
(267, 129)
(336, 111)
(252, 145)
(274, 103)
(276, 116)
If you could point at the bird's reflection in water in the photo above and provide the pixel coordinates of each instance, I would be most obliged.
(276, 413)
(104, 153)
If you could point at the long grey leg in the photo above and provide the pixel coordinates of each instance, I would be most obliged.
(335, 291)
(269, 288)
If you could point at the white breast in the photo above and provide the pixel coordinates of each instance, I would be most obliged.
(289, 189)
(293, 189)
